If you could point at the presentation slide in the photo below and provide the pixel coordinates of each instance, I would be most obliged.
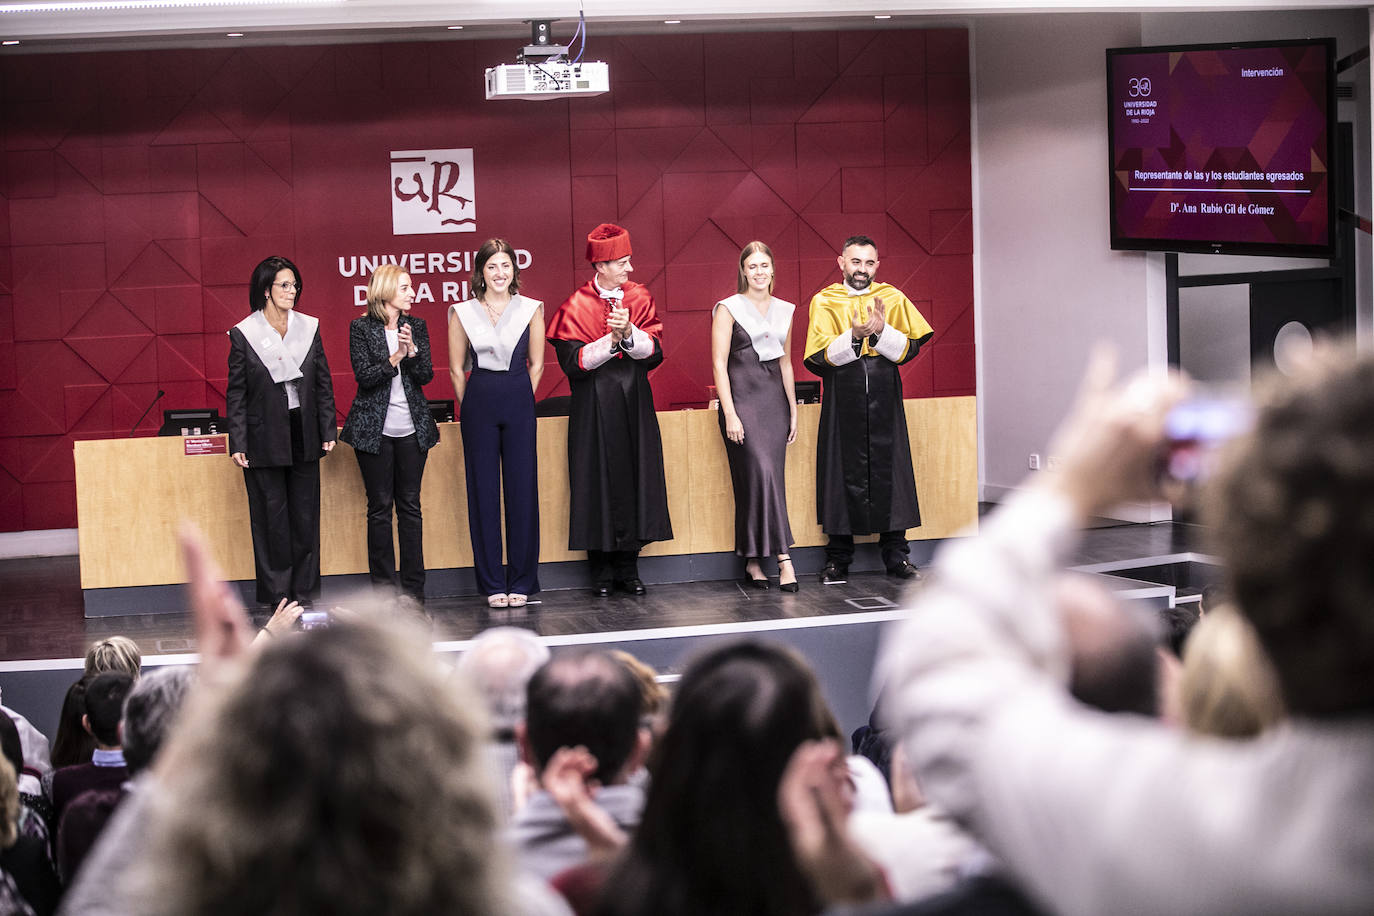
(1221, 145)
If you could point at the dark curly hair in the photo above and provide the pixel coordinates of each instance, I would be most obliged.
(1293, 516)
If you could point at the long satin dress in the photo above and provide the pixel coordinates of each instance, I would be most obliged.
(758, 464)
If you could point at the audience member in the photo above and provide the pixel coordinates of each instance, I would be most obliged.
(104, 701)
(1228, 687)
(1213, 596)
(1090, 811)
(358, 793)
(1112, 662)
(72, 743)
(35, 811)
(1178, 621)
(37, 755)
(115, 653)
(27, 882)
(920, 849)
(149, 712)
(712, 839)
(587, 700)
(498, 667)
(653, 696)
(149, 709)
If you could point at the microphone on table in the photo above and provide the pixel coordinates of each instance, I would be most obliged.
(150, 406)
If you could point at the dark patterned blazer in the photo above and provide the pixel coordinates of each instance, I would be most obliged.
(372, 368)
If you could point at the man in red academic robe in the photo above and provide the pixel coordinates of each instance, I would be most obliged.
(608, 337)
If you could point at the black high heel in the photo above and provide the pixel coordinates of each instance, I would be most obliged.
(791, 587)
(762, 583)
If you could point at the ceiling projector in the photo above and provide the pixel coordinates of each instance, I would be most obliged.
(548, 80)
(544, 71)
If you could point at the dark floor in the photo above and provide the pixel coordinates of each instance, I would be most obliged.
(41, 602)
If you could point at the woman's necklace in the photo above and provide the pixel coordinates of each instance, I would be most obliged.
(493, 314)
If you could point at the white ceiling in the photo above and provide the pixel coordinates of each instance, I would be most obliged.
(173, 25)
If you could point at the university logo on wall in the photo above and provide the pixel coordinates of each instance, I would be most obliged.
(432, 190)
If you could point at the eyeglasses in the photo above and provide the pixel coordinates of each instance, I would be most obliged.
(286, 287)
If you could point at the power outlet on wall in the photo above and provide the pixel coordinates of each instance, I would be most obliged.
(1034, 461)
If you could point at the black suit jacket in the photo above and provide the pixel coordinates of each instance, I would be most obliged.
(260, 421)
(371, 357)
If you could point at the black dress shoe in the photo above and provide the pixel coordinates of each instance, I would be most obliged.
(834, 573)
(601, 590)
(905, 571)
(761, 584)
(631, 586)
(791, 587)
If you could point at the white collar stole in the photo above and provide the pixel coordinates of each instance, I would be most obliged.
(768, 332)
(494, 344)
(282, 356)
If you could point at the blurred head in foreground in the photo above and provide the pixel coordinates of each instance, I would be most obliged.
(335, 773)
(1292, 509)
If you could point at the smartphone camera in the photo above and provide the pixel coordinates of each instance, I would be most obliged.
(313, 620)
(1195, 428)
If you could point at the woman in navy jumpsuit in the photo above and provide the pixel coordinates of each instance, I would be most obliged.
(498, 336)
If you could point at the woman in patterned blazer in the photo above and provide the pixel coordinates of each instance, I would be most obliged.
(390, 426)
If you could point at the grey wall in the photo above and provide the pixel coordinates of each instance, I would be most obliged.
(1215, 308)
(1047, 284)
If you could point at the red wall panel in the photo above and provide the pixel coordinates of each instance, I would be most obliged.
(139, 189)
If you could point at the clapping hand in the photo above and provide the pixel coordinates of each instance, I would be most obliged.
(619, 323)
(877, 316)
(814, 800)
(404, 345)
(568, 779)
(865, 322)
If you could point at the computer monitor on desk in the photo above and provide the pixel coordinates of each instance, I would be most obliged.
(200, 421)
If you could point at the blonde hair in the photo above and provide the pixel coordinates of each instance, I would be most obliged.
(117, 653)
(335, 773)
(381, 289)
(753, 248)
(653, 696)
(1228, 687)
(9, 804)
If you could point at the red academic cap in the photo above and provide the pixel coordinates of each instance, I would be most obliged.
(608, 242)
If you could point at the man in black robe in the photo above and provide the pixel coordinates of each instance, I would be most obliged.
(607, 337)
(859, 334)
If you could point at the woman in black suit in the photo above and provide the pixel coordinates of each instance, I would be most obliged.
(280, 406)
(390, 426)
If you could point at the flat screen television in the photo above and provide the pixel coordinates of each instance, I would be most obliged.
(1223, 148)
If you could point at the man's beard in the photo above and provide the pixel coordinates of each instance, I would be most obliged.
(858, 280)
